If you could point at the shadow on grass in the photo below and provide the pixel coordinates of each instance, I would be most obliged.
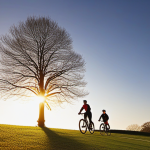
(62, 142)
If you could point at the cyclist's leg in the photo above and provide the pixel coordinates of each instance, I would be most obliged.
(106, 123)
(90, 117)
(85, 115)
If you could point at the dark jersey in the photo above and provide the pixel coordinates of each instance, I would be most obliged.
(86, 107)
(105, 117)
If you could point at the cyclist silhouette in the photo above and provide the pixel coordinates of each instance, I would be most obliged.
(88, 111)
(105, 117)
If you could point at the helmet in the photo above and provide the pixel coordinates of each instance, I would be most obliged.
(103, 110)
(84, 100)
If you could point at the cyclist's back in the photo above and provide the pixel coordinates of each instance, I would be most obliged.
(87, 107)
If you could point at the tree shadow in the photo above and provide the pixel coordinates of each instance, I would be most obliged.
(59, 142)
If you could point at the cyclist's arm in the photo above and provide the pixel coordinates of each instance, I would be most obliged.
(100, 118)
(107, 117)
(81, 110)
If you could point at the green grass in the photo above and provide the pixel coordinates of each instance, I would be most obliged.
(22, 137)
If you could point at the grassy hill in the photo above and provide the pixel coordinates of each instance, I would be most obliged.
(22, 137)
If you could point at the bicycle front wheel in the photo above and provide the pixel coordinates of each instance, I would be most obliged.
(102, 129)
(91, 128)
(82, 126)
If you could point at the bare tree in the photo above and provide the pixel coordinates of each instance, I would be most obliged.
(37, 59)
(134, 127)
(146, 127)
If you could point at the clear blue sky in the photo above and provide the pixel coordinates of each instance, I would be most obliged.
(113, 37)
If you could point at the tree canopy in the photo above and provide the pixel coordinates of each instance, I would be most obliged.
(37, 58)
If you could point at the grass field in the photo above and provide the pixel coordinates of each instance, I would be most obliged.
(22, 137)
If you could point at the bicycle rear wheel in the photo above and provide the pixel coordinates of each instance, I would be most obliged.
(91, 128)
(102, 129)
(82, 126)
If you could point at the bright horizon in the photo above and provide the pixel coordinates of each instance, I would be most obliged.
(113, 38)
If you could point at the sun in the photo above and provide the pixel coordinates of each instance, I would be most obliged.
(38, 99)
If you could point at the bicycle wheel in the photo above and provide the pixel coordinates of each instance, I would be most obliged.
(82, 126)
(102, 129)
(108, 130)
(91, 128)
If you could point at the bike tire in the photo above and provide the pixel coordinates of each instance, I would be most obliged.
(91, 128)
(82, 126)
(102, 129)
(108, 130)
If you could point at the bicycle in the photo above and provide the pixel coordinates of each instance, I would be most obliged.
(84, 125)
(104, 129)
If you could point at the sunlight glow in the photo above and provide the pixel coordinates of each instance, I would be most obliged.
(39, 99)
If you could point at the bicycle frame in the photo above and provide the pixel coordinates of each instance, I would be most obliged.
(86, 120)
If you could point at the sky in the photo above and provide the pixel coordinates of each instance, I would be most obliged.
(113, 36)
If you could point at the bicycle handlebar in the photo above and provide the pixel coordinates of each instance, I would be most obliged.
(101, 120)
(81, 113)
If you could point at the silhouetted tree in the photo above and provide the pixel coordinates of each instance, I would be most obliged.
(146, 127)
(37, 59)
(134, 127)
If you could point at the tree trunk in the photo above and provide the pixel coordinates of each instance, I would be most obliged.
(41, 121)
(41, 105)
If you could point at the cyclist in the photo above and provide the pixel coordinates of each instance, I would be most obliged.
(105, 117)
(88, 111)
